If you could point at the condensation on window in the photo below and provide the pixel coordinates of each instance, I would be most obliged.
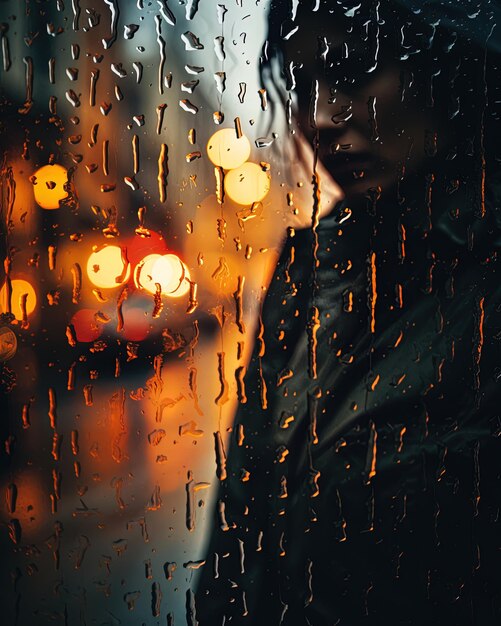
(250, 312)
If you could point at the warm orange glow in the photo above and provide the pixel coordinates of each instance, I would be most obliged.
(247, 184)
(31, 502)
(49, 186)
(226, 150)
(19, 288)
(107, 267)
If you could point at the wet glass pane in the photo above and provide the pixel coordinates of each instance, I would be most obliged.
(250, 312)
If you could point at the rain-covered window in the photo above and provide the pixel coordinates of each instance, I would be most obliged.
(250, 312)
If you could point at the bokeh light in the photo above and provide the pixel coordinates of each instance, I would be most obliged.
(184, 285)
(226, 150)
(143, 274)
(86, 326)
(247, 184)
(108, 267)
(19, 288)
(49, 186)
(168, 271)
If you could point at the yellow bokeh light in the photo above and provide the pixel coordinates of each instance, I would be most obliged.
(166, 270)
(226, 150)
(178, 284)
(107, 267)
(143, 273)
(247, 184)
(19, 288)
(49, 186)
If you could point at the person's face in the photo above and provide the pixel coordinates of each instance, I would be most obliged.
(364, 130)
